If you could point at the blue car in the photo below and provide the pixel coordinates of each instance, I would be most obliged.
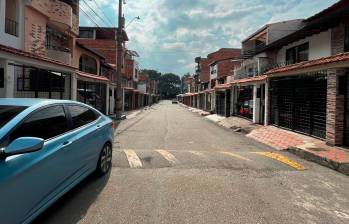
(46, 148)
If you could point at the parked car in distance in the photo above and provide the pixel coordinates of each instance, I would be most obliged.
(46, 148)
(174, 101)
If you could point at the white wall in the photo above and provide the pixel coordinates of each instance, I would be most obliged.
(213, 68)
(319, 46)
(142, 87)
(135, 67)
(10, 40)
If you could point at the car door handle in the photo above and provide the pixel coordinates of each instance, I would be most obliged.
(99, 127)
(67, 143)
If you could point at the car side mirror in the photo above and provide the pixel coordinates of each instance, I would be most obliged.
(24, 145)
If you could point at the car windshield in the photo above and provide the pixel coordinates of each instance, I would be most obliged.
(9, 112)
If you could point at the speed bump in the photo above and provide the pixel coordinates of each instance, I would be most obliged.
(282, 159)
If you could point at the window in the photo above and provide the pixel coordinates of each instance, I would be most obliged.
(346, 39)
(86, 34)
(297, 54)
(81, 116)
(56, 40)
(9, 112)
(46, 124)
(2, 78)
(40, 80)
(11, 17)
(88, 64)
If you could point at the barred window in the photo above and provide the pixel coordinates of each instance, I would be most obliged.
(88, 64)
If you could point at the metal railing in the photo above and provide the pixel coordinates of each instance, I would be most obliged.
(11, 27)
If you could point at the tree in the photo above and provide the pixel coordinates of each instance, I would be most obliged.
(153, 74)
(169, 85)
(184, 86)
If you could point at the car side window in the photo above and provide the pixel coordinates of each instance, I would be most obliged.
(46, 123)
(81, 115)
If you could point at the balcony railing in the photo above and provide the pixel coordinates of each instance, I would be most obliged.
(11, 27)
(252, 52)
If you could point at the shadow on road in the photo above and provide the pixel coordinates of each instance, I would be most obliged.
(74, 205)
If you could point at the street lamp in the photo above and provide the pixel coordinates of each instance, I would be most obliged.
(136, 18)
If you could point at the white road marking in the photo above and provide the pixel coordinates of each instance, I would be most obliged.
(197, 153)
(235, 156)
(133, 159)
(168, 156)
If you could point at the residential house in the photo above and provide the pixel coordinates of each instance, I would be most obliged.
(222, 64)
(36, 45)
(302, 84)
(92, 79)
(247, 100)
(103, 41)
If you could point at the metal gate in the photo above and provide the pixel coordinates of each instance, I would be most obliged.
(299, 104)
(220, 103)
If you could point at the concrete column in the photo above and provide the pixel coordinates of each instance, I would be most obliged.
(256, 104)
(74, 87)
(335, 108)
(266, 104)
(10, 81)
(123, 100)
(107, 105)
(232, 94)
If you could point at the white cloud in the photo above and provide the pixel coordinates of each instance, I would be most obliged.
(173, 32)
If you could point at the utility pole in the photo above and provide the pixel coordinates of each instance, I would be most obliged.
(120, 59)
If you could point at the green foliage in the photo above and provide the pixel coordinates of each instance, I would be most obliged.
(169, 85)
(153, 74)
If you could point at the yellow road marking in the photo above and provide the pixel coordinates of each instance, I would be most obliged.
(168, 156)
(197, 153)
(282, 159)
(235, 156)
(133, 159)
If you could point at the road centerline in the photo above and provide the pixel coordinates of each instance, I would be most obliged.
(282, 159)
(235, 156)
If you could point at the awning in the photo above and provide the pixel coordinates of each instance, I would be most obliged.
(222, 86)
(317, 63)
(250, 80)
(34, 60)
(91, 77)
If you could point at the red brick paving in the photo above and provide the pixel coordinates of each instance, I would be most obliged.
(276, 137)
(282, 139)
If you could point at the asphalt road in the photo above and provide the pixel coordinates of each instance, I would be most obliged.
(173, 166)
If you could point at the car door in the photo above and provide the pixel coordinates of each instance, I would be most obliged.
(87, 139)
(30, 181)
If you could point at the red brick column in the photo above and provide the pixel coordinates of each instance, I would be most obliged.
(335, 109)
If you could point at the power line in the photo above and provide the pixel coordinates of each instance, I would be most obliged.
(94, 12)
(89, 17)
(100, 8)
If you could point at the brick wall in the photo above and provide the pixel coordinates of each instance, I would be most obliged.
(335, 109)
(337, 39)
(35, 32)
(107, 48)
(205, 70)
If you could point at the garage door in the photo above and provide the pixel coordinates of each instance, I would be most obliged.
(299, 104)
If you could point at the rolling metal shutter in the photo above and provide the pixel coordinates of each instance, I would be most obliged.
(299, 104)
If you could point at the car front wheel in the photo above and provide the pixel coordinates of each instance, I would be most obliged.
(104, 161)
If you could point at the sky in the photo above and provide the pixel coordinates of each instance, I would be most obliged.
(171, 33)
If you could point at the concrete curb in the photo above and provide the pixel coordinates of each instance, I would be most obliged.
(335, 165)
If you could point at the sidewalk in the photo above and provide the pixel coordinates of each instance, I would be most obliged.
(309, 148)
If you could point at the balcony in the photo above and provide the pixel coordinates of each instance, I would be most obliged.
(11, 27)
(59, 13)
(62, 56)
(249, 53)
